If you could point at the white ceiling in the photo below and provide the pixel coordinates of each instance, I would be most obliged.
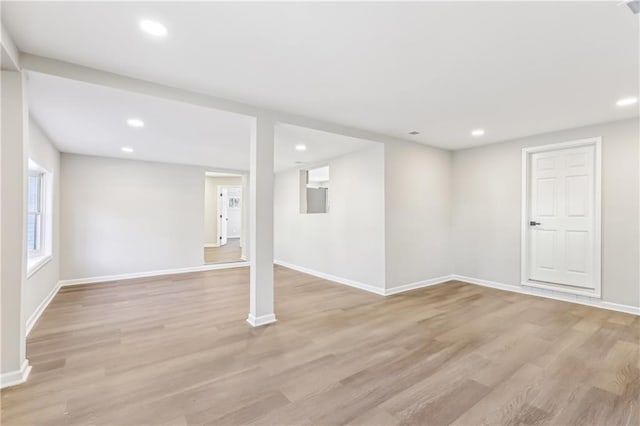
(442, 68)
(88, 119)
(321, 146)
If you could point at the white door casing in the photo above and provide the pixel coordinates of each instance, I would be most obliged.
(561, 217)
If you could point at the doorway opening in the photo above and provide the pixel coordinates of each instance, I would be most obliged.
(224, 218)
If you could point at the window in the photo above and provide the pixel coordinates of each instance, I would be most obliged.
(39, 219)
(34, 212)
(314, 190)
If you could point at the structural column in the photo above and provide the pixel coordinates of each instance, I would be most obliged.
(244, 211)
(261, 223)
(15, 115)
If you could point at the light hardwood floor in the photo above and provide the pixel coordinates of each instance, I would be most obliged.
(177, 350)
(230, 252)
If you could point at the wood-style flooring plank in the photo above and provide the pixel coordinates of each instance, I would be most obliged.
(176, 350)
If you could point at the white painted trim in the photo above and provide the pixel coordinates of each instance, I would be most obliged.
(418, 284)
(36, 263)
(351, 283)
(524, 217)
(562, 289)
(366, 287)
(534, 291)
(222, 174)
(107, 278)
(261, 320)
(211, 245)
(33, 318)
(563, 145)
(16, 377)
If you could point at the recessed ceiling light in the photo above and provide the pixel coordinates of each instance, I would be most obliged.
(627, 101)
(154, 28)
(301, 147)
(413, 133)
(135, 122)
(634, 5)
(477, 132)
(126, 149)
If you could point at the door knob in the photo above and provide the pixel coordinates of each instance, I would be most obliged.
(534, 223)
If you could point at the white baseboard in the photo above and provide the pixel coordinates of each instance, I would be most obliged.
(210, 245)
(417, 284)
(550, 294)
(17, 377)
(106, 278)
(372, 289)
(33, 318)
(339, 280)
(261, 320)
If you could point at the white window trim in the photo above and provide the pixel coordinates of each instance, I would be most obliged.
(36, 259)
(35, 263)
(304, 184)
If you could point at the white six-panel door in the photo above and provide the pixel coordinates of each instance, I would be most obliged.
(562, 227)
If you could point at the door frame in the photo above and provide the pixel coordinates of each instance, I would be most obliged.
(596, 142)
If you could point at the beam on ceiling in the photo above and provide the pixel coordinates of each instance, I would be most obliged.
(10, 53)
(71, 71)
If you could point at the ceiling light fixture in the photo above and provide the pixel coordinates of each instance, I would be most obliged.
(126, 149)
(477, 132)
(135, 122)
(627, 101)
(301, 147)
(414, 132)
(154, 28)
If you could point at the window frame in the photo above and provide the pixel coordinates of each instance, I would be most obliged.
(304, 186)
(42, 254)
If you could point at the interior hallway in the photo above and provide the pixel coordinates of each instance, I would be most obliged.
(452, 353)
(230, 252)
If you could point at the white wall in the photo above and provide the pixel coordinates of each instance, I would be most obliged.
(347, 242)
(42, 282)
(487, 198)
(418, 213)
(211, 205)
(122, 216)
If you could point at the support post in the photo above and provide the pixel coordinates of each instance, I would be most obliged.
(14, 367)
(261, 309)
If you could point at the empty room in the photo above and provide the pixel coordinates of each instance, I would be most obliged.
(320, 213)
